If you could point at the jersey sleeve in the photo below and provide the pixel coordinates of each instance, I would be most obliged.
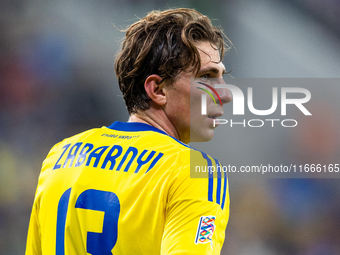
(33, 242)
(33, 245)
(197, 210)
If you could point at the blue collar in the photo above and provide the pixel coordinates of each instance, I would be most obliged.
(138, 126)
(134, 126)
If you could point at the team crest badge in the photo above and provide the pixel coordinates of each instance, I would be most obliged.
(205, 230)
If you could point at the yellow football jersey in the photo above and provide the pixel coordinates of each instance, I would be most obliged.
(126, 189)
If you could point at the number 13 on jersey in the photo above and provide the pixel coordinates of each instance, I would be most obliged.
(97, 200)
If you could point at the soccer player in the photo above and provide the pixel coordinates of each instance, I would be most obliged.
(126, 188)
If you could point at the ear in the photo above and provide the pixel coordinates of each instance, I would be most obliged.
(154, 89)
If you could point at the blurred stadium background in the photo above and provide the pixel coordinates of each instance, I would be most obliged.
(57, 79)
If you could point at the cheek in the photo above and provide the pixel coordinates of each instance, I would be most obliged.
(179, 108)
(196, 103)
(195, 108)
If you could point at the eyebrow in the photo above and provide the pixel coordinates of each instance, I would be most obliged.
(212, 70)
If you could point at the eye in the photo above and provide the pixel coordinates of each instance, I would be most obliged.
(204, 77)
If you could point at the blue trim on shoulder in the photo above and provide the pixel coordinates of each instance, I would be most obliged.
(138, 126)
(219, 175)
(211, 178)
(224, 189)
(219, 181)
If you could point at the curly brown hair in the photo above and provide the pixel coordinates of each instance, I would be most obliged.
(162, 43)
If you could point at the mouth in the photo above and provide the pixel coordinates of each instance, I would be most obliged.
(215, 115)
(212, 118)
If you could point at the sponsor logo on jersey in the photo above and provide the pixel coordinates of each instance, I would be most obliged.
(205, 230)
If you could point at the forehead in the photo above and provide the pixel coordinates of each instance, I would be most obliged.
(210, 62)
(210, 56)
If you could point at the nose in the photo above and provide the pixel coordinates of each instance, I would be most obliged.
(224, 93)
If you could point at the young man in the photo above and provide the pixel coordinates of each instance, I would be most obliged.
(126, 188)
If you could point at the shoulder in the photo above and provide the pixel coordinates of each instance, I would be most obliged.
(200, 177)
(62, 146)
(74, 138)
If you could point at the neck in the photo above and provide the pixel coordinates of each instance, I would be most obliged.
(157, 119)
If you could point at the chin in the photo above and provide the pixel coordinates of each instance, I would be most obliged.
(201, 136)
